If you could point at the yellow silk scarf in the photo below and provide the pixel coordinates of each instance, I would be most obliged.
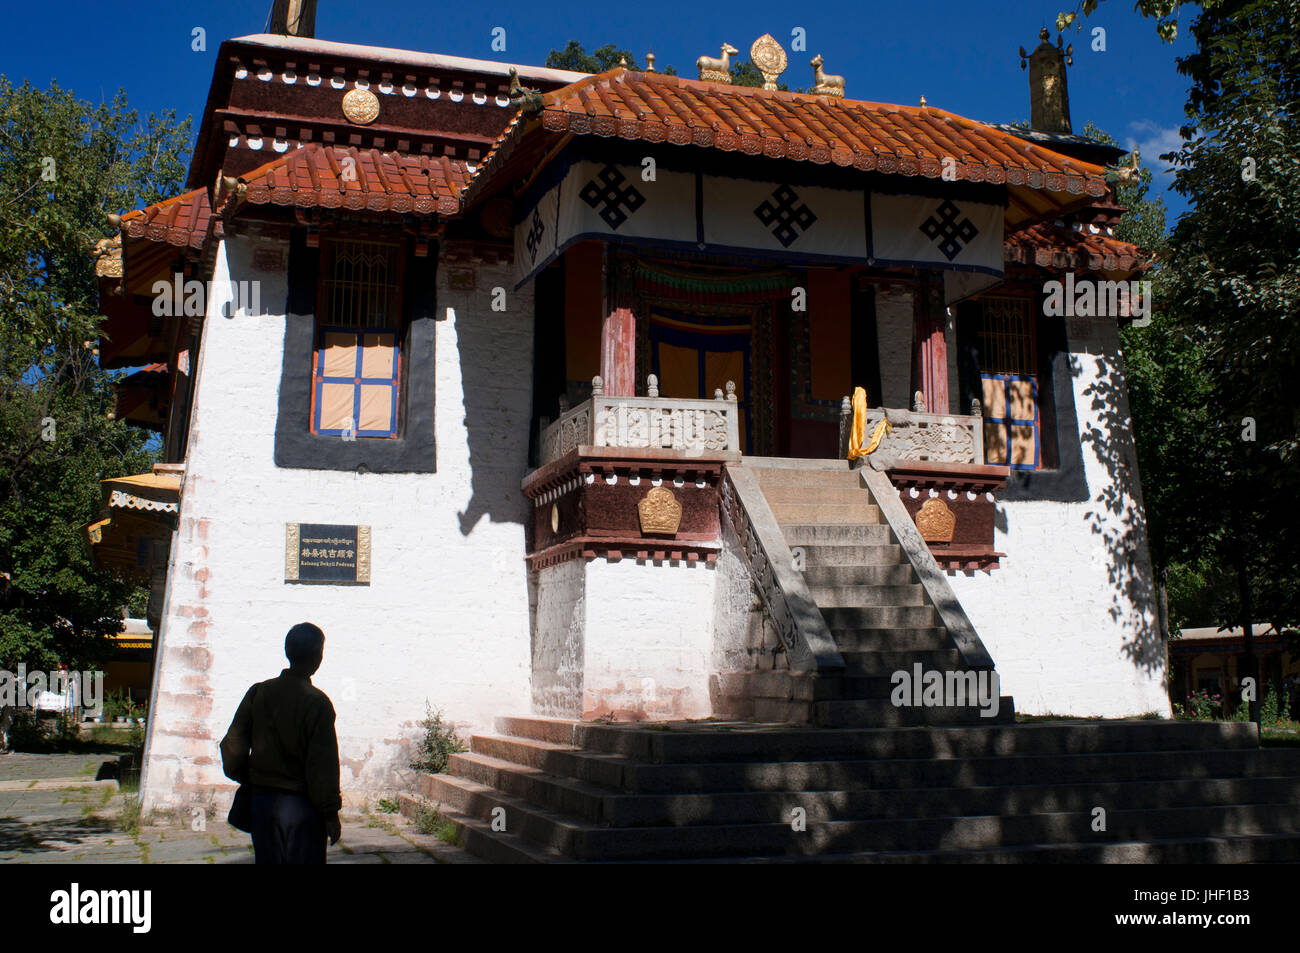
(859, 430)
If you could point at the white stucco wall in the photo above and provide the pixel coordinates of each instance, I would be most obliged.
(649, 638)
(560, 622)
(1069, 616)
(445, 618)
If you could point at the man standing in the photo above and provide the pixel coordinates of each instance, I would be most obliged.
(282, 745)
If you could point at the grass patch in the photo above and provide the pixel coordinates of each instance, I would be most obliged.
(387, 805)
(129, 817)
(1279, 738)
(428, 821)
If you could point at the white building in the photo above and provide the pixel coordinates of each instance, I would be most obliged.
(531, 394)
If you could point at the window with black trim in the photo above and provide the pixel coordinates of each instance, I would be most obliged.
(357, 357)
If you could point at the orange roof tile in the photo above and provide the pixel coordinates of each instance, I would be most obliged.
(320, 175)
(899, 140)
(1060, 247)
(180, 220)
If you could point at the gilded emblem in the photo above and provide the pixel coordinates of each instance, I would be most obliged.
(361, 106)
(660, 512)
(935, 521)
(769, 56)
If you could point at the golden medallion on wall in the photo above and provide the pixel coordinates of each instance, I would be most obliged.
(660, 512)
(361, 106)
(935, 521)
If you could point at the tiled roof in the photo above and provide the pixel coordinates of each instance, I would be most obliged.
(356, 179)
(181, 220)
(1059, 247)
(900, 140)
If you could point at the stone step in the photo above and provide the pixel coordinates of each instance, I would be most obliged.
(1249, 849)
(852, 641)
(552, 831)
(840, 478)
(745, 741)
(597, 805)
(827, 768)
(880, 617)
(896, 575)
(479, 839)
(805, 493)
(830, 597)
(811, 533)
(879, 712)
(851, 686)
(816, 555)
(861, 512)
(886, 663)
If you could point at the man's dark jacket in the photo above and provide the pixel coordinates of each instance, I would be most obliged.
(288, 724)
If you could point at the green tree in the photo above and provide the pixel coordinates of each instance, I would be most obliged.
(65, 165)
(575, 57)
(1234, 277)
(1164, 12)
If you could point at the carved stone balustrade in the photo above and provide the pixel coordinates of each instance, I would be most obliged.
(922, 437)
(686, 427)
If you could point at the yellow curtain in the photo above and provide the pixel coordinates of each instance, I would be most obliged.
(859, 430)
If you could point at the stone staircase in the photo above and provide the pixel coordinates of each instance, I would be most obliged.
(549, 790)
(872, 601)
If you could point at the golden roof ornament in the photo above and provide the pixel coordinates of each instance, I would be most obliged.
(717, 70)
(659, 512)
(923, 100)
(769, 56)
(649, 62)
(361, 106)
(825, 84)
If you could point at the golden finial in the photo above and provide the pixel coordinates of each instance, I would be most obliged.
(622, 61)
(649, 62)
(923, 100)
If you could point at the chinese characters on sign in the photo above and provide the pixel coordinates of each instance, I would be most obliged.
(327, 553)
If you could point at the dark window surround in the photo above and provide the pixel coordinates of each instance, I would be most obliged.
(414, 449)
(1060, 477)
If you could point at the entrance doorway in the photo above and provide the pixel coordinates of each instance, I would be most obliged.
(694, 355)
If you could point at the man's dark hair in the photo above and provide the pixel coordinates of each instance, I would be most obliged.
(304, 643)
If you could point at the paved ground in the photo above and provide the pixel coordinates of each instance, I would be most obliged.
(54, 810)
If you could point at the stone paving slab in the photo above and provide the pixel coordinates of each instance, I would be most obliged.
(53, 812)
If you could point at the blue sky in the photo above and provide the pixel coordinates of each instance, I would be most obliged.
(961, 56)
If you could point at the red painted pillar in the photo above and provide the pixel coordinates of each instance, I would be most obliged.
(618, 330)
(930, 319)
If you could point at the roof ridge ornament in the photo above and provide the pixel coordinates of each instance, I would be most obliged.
(717, 70)
(521, 97)
(769, 56)
(825, 84)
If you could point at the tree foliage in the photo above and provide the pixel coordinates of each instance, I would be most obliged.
(575, 57)
(64, 166)
(1213, 376)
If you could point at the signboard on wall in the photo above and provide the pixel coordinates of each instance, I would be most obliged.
(327, 553)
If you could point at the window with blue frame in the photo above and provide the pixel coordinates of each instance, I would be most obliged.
(1009, 379)
(356, 370)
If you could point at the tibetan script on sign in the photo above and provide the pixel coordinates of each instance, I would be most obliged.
(327, 553)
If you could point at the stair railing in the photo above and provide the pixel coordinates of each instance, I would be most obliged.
(935, 580)
(808, 642)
